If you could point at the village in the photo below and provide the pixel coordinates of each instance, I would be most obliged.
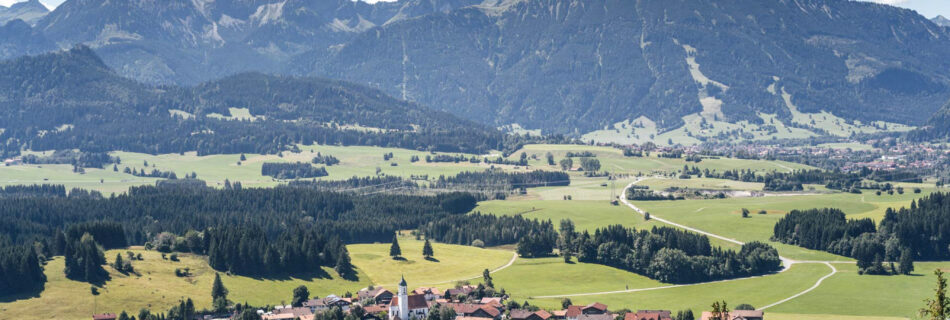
(458, 303)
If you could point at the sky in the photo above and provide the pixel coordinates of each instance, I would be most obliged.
(927, 8)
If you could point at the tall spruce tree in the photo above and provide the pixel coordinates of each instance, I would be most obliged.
(906, 262)
(427, 250)
(343, 266)
(217, 288)
(394, 250)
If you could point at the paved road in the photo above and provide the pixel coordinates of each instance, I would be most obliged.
(786, 262)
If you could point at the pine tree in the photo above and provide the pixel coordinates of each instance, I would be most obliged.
(117, 264)
(394, 250)
(343, 266)
(906, 262)
(217, 288)
(427, 250)
(937, 308)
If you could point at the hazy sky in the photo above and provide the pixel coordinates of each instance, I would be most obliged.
(928, 8)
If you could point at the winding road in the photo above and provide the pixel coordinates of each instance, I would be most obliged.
(786, 262)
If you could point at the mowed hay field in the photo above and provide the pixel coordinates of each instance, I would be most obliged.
(613, 160)
(724, 216)
(355, 161)
(451, 263)
(157, 288)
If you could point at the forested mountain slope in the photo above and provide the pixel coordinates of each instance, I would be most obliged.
(565, 66)
(72, 100)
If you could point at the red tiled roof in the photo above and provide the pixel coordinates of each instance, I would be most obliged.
(597, 305)
(573, 311)
(519, 314)
(648, 315)
(416, 301)
(424, 290)
(375, 308)
(543, 314)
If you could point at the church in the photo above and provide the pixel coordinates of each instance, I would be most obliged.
(405, 307)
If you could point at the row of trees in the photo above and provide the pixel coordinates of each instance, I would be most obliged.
(295, 170)
(903, 236)
(534, 237)
(667, 254)
(499, 179)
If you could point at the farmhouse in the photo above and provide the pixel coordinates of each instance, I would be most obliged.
(378, 295)
(327, 303)
(648, 315)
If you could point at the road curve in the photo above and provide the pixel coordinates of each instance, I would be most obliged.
(787, 263)
(817, 283)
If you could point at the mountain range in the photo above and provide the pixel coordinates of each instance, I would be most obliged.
(564, 66)
(29, 11)
(73, 100)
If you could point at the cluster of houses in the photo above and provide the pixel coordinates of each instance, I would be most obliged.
(379, 303)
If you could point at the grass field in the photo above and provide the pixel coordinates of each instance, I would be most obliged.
(723, 216)
(357, 161)
(586, 214)
(756, 291)
(157, 288)
(852, 294)
(451, 263)
(551, 276)
(612, 160)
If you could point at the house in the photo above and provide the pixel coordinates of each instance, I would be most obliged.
(405, 306)
(475, 310)
(737, 315)
(600, 316)
(494, 301)
(648, 315)
(379, 295)
(430, 293)
(522, 314)
(104, 316)
(459, 291)
(327, 303)
(559, 314)
(574, 312)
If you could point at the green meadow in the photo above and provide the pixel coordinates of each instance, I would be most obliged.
(844, 295)
(451, 263)
(155, 287)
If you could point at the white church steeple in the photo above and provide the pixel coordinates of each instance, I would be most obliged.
(403, 298)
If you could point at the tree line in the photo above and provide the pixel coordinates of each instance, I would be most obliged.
(292, 170)
(478, 229)
(905, 235)
(666, 254)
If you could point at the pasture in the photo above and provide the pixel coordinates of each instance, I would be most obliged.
(451, 263)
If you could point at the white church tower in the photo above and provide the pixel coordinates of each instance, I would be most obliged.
(403, 300)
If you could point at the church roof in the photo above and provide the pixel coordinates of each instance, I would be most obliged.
(416, 301)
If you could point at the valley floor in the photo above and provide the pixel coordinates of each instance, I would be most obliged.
(841, 294)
